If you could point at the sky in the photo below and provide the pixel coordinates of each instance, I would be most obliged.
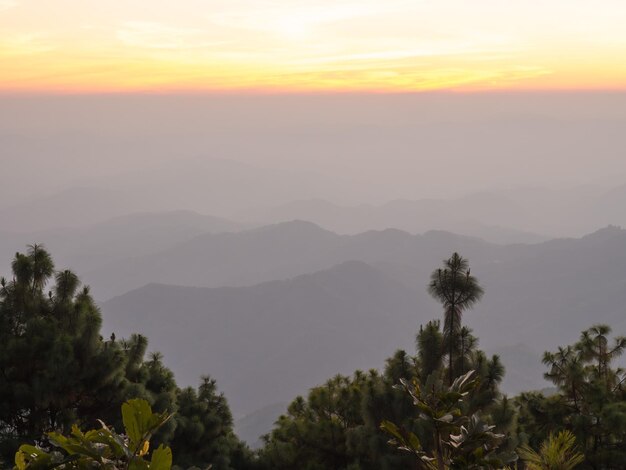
(80, 46)
(351, 101)
(348, 148)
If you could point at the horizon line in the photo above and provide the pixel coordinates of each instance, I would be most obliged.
(4, 93)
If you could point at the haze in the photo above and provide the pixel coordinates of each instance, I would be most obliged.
(347, 149)
(264, 188)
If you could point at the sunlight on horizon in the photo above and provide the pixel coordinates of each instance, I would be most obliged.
(301, 45)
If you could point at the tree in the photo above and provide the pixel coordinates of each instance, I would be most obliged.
(103, 448)
(558, 452)
(204, 430)
(54, 366)
(590, 400)
(56, 371)
(337, 426)
(457, 290)
(459, 440)
(429, 343)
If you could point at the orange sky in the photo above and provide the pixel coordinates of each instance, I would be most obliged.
(304, 45)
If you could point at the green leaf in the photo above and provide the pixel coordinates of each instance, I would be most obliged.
(113, 440)
(140, 422)
(32, 458)
(161, 459)
(392, 429)
(73, 446)
(137, 417)
(20, 460)
(414, 442)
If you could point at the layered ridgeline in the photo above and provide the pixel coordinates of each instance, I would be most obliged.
(85, 245)
(266, 342)
(58, 371)
(528, 285)
(289, 249)
(505, 217)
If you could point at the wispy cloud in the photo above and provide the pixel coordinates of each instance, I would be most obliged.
(424, 49)
(297, 18)
(25, 44)
(150, 35)
(313, 44)
(7, 4)
(407, 78)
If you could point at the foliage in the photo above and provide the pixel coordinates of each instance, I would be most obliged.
(458, 440)
(457, 290)
(338, 425)
(204, 430)
(103, 448)
(56, 371)
(590, 402)
(58, 376)
(54, 366)
(558, 452)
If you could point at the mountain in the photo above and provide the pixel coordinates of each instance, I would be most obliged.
(487, 216)
(74, 207)
(546, 294)
(202, 184)
(95, 245)
(259, 422)
(542, 293)
(274, 252)
(207, 183)
(524, 215)
(270, 342)
(537, 295)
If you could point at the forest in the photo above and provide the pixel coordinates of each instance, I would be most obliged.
(71, 398)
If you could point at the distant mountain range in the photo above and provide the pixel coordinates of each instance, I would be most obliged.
(272, 310)
(275, 252)
(530, 215)
(476, 215)
(267, 342)
(204, 185)
(216, 187)
(251, 427)
(84, 248)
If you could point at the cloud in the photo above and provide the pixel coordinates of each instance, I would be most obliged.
(298, 18)
(150, 35)
(24, 44)
(409, 78)
(7, 4)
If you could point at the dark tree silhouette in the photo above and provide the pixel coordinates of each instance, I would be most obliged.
(457, 290)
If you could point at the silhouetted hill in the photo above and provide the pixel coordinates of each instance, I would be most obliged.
(487, 216)
(275, 252)
(94, 245)
(270, 342)
(73, 207)
(252, 426)
(525, 215)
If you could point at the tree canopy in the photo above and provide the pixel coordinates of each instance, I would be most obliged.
(437, 408)
(56, 370)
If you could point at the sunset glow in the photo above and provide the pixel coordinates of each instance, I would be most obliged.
(301, 45)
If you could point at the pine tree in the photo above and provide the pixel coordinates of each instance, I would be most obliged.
(457, 290)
